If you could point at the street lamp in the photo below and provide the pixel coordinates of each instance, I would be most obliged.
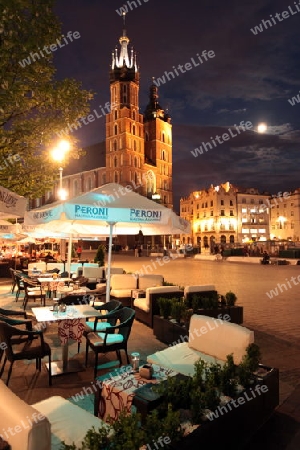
(58, 154)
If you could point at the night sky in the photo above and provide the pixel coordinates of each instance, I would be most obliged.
(250, 78)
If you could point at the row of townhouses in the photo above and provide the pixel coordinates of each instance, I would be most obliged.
(227, 214)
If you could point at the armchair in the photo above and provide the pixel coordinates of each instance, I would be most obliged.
(33, 291)
(30, 349)
(114, 338)
(106, 320)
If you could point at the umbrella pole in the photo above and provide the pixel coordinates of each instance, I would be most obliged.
(69, 255)
(111, 224)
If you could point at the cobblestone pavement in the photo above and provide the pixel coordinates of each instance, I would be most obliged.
(275, 321)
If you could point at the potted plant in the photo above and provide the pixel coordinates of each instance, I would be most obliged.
(165, 306)
(177, 309)
(230, 298)
(100, 256)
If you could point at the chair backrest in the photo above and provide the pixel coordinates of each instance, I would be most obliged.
(125, 317)
(30, 284)
(19, 281)
(6, 332)
(78, 299)
(146, 281)
(112, 305)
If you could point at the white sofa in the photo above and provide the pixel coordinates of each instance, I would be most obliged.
(55, 265)
(42, 266)
(146, 307)
(121, 286)
(147, 281)
(93, 273)
(209, 339)
(44, 425)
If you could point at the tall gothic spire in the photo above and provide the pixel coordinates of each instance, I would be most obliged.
(125, 59)
(153, 109)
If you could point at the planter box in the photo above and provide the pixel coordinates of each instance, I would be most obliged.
(234, 428)
(236, 313)
(168, 332)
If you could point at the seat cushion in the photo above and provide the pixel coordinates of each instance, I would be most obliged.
(199, 288)
(181, 358)
(101, 326)
(123, 281)
(69, 422)
(219, 338)
(146, 281)
(142, 304)
(121, 293)
(97, 339)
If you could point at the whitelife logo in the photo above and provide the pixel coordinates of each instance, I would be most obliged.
(48, 49)
(183, 68)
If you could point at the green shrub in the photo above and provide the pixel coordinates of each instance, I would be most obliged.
(100, 256)
(165, 306)
(230, 298)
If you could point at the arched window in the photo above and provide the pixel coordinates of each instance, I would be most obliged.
(133, 129)
(223, 239)
(76, 187)
(116, 177)
(163, 137)
(163, 155)
(165, 199)
(89, 184)
(135, 178)
(120, 143)
(116, 129)
(115, 162)
(134, 145)
(115, 145)
(133, 115)
(116, 114)
(231, 239)
(135, 162)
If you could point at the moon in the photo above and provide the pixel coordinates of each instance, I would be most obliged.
(262, 127)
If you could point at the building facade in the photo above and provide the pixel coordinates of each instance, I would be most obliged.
(285, 216)
(226, 215)
(138, 147)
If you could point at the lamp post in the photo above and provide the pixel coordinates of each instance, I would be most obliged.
(58, 154)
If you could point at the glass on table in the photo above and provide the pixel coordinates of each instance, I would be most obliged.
(135, 361)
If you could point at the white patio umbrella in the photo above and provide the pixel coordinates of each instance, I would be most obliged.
(12, 205)
(107, 210)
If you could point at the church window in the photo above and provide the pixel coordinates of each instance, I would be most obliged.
(133, 129)
(115, 145)
(88, 184)
(163, 155)
(133, 115)
(116, 114)
(163, 137)
(135, 162)
(116, 129)
(116, 177)
(115, 162)
(134, 145)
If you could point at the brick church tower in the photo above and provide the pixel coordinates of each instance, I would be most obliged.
(138, 147)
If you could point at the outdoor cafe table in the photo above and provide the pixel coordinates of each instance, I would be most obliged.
(70, 326)
(52, 284)
(118, 389)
